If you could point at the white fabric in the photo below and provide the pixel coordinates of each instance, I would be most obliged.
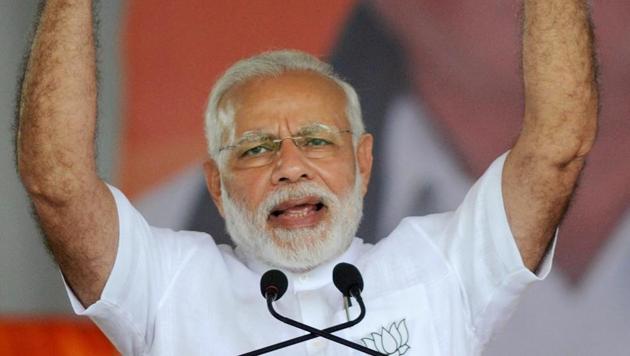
(437, 285)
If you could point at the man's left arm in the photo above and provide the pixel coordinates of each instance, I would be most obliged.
(560, 121)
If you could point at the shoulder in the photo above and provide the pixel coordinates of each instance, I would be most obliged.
(408, 255)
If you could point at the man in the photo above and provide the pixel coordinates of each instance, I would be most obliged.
(289, 164)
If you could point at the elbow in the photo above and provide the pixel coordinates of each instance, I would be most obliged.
(577, 152)
(31, 180)
(52, 177)
(42, 190)
(587, 141)
(561, 139)
(571, 157)
(587, 129)
(47, 185)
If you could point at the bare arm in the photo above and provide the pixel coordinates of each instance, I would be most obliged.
(560, 123)
(55, 147)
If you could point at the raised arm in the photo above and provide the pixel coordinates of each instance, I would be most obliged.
(560, 123)
(55, 147)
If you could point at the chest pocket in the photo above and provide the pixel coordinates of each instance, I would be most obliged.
(399, 323)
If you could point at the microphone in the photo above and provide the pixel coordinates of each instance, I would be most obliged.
(273, 284)
(347, 279)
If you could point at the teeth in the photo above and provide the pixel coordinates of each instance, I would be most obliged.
(298, 212)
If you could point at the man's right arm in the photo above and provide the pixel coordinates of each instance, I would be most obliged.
(55, 147)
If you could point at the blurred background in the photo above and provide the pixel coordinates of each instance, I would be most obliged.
(441, 91)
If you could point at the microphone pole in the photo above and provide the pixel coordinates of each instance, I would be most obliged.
(322, 333)
(310, 336)
(347, 278)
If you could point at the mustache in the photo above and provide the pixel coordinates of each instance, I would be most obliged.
(294, 192)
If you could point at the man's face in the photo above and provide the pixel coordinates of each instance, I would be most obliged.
(302, 207)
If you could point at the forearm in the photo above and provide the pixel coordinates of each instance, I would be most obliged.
(559, 68)
(57, 109)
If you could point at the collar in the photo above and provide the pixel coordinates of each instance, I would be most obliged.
(312, 279)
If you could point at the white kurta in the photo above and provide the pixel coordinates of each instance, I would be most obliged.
(437, 285)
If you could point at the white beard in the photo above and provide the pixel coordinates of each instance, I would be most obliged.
(299, 249)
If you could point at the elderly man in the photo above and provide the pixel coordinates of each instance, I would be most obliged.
(289, 165)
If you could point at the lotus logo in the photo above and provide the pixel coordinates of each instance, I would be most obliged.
(390, 341)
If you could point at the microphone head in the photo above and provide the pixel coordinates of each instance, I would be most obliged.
(273, 283)
(347, 279)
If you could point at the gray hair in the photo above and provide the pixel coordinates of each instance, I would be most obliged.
(219, 121)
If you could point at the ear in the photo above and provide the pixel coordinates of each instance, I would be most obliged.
(364, 159)
(213, 183)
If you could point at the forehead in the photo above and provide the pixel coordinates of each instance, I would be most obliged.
(287, 102)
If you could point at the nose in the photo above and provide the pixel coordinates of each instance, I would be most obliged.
(290, 165)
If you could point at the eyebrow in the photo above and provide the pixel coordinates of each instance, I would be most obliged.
(304, 130)
(253, 135)
(315, 127)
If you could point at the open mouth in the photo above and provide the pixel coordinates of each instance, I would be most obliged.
(298, 213)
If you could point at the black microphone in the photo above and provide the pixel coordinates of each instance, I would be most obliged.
(273, 285)
(348, 280)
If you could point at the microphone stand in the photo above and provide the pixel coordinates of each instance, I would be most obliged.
(325, 333)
